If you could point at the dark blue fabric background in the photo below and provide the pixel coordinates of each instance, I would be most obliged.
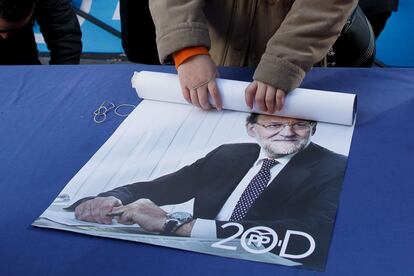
(47, 134)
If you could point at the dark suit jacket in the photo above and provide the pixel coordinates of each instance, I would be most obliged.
(303, 197)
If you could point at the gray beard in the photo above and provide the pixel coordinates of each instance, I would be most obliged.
(283, 150)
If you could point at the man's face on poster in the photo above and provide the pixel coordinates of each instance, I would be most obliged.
(280, 136)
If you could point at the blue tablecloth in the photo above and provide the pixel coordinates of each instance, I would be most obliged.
(47, 134)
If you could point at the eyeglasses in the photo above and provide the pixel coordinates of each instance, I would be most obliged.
(279, 126)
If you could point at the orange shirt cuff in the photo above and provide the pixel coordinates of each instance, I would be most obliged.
(186, 53)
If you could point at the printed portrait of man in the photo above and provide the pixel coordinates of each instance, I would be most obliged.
(284, 182)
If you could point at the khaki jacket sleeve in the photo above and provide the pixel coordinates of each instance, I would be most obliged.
(308, 31)
(179, 24)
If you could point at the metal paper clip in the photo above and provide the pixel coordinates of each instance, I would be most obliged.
(99, 115)
(121, 114)
(100, 112)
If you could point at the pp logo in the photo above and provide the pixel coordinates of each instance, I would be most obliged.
(262, 239)
(259, 239)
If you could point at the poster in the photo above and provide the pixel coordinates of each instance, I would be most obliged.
(230, 183)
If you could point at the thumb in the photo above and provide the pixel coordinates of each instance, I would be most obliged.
(118, 202)
(117, 209)
(113, 201)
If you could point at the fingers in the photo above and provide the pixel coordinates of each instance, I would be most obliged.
(266, 97)
(260, 96)
(194, 98)
(143, 212)
(280, 99)
(202, 94)
(184, 90)
(96, 213)
(83, 211)
(270, 99)
(197, 79)
(250, 93)
(186, 94)
(126, 216)
(96, 210)
(199, 97)
(214, 92)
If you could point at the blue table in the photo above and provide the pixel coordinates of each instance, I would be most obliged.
(47, 134)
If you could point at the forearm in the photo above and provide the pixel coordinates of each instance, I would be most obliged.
(304, 37)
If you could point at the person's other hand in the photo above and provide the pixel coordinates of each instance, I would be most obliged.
(143, 212)
(96, 210)
(268, 98)
(198, 79)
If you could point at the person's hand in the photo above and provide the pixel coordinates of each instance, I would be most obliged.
(268, 98)
(198, 79)
(96, 210)
(142, 212)
(185, 230)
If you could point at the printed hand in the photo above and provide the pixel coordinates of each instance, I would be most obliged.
(142, 212)
(268, 99)
(96, 210)
(199, 72)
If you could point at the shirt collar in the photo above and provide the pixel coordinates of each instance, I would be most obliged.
(282, 160)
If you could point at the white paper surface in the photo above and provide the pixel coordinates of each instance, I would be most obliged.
(317, 105)
(158, 138)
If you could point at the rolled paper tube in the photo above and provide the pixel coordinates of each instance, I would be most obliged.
(309, 104)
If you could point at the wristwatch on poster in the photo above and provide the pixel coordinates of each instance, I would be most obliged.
(176, 220)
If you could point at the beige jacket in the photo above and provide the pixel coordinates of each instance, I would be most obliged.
(281, 38)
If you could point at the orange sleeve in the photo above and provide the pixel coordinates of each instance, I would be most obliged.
(186, 53)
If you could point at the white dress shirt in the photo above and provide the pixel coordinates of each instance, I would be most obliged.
(205, 228)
